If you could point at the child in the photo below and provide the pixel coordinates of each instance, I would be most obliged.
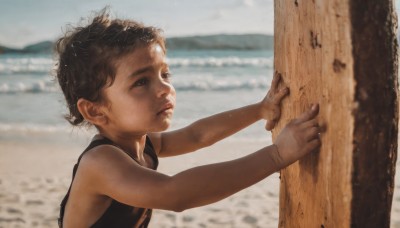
(114, 76)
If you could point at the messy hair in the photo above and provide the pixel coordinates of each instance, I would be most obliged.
(87, 56)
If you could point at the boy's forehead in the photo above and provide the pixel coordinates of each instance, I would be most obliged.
(142, 54)
(151, 50)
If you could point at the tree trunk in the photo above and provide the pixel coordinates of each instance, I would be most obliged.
(341, 54)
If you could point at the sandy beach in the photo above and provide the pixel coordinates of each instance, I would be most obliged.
(35, 175)
(36, 172)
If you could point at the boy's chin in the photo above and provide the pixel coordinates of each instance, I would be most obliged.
(162, 128)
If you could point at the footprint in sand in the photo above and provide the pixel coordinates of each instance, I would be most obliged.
(187, 218)
(250, 219)
(9, 220)
(242, 204)
(11, 210)
(214, 209)
(50, 180)
(170, 216)
(12, 199)
(34, 202)
(272, 194)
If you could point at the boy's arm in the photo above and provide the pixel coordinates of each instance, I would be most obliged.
(207, 131)
(129, 183)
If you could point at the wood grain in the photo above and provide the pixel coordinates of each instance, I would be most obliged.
(341, 54)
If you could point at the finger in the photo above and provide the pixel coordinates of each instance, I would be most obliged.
(310, 123)
(275, 81)
(270, 125)
(309, 114)
(312, 133)
(312, 145)
(280, 95)
(276, 114)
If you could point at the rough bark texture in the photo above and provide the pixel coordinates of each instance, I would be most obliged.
(341, 54)
(375, 134)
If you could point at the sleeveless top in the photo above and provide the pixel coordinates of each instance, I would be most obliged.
(117, 214)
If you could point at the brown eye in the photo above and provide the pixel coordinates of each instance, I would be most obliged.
(167, 75)
(140, 82)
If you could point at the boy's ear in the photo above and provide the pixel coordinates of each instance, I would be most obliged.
(91, 112)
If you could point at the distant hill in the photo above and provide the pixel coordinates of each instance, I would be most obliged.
(4, 50)
(42, 47)
(222, 42)
(209, 42)
(45, 46)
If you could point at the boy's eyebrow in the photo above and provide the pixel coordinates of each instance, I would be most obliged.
(145, 69)
(141, 71)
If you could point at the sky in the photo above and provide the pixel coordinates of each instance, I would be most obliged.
(24, 22)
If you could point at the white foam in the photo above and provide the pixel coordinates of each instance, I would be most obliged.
(215, 84)
(26, 65)
(191, 84)
(40, 86)
(220, 62)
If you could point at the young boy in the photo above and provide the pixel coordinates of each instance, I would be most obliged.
(114, 76)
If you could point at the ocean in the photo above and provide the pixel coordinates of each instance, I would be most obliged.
(207, 82)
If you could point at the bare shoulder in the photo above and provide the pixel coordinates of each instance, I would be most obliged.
(102, 164)
(104, 156)
(107, 170)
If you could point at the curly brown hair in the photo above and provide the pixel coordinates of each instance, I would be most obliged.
(87, 55)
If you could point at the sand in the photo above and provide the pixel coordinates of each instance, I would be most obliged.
(35, 172)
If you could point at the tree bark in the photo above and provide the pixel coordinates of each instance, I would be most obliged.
(341, 54)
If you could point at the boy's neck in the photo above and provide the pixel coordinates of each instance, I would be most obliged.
(134, 145)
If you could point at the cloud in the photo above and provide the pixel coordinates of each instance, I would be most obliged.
(248, 3)
(17, 35)
(176, 17)
(218, 15)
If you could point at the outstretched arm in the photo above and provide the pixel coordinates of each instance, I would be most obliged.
(129, 183)
(207, 131)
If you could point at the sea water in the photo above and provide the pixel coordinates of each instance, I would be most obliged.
(207, 82)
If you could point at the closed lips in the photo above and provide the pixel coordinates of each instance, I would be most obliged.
(165, 108)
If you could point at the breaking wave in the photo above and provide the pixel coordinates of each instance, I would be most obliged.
(207, 84)
(43, 65)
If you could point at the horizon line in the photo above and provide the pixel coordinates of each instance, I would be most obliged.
(166, 37)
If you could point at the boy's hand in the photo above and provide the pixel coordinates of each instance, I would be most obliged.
(271, 105)
(298, 138)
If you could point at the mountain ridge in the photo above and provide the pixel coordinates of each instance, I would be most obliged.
(198, 42)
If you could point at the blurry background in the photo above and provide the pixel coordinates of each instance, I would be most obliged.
(26, 21)
(211, 74)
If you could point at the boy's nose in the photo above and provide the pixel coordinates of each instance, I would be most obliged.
(164, 88)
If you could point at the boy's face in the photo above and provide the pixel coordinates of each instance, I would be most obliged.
(141, 99)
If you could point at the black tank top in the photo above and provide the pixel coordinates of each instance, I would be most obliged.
(117, 214)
